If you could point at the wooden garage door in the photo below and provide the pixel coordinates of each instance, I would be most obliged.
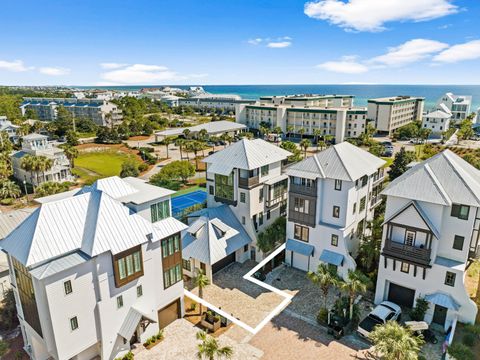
(219, 265)
(401, 295)
(169, 314)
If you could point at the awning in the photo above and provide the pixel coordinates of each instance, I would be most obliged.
(131, 322)
(444, 300)
(299, 247)
(220, 168)
(331, 257)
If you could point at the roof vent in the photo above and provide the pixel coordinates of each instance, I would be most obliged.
(150, 237)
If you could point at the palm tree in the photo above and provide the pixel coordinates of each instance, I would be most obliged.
(369, 251)
(395, 342)
(209, 348)
(201, 280)
(301, 131)
(356, 283)
(290, 129)
(277, 130)
(305, 144)
(328, 139)
(317, 133)
(44, 165)
(325, 277)
(321, 144)
(181, 143)
(71, 152)
(27, 164)
(195, 146)
(202, 135)
(167, 141)
(186, 132)
(9, 190)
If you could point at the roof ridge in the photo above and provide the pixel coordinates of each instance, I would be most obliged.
(341, 161)
(446, 155)
(34, 232)
(437, 184)
(315, 157)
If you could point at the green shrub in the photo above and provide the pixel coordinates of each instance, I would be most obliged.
(142, 167)
(7, 201)
(473, 328)
(460, 352)
(3, 348)
(469, 339)
(421, 357)
(418, 312)
(160, 335)
(322, 316)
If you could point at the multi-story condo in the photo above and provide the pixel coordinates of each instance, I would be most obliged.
(102, 112)
(459, 105)
(38, 145)
(331, 197)
(329, 114)
(430, 234)
(219, 101)
(247, 176)
(437, 121)
(91, 273)
(10, 129)
(393, 112)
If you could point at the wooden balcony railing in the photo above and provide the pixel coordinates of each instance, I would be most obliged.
(407, 252)
(247, 183)
(303, 190)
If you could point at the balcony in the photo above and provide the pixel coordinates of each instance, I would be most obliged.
(401, 251)
(378, 177)
(272, 202)
(303, 190)
(248, 183)
(375, 201)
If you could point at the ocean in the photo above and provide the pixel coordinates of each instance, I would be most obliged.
(362, 93)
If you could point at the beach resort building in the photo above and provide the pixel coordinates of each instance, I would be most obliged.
(458, 105)
(213, 128)
(390, 113)
(331, 197)
(247, 177)
(437, 121)
(226, 102)
(92, 275)
(430, 235)
(100, 111)
(38, 145)
(10, 128)
(327, 114)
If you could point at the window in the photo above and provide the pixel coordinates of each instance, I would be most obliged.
(172, 275)
(224, 186)
(243, 220)
(458, 242)
(242, 197)
(268, 214)
(301, 205)
(364, 180)
(362, 204)
(300, 233)
(160, 211)
(119, 302)
(139, 291)
(128, 266)
(460, 211)
(450, 278)
(264, 170)
(260, 218)
(405, 268)
(354, 208)
(67, 285)
(336, 212)
(334, 240)
(170, 245)
(260, 195)
(187, 265)
(210, 190)
(74, 323)
(338, 184)
(409, 237)
(245, 248)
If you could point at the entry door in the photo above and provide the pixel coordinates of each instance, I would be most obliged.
(253, 255)
(439, 315)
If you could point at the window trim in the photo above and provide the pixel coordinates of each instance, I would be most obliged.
(136, 274)
(72, 321)
(65, 287)
(332, 242)
(333, 212)
(454, 240)
(139, 291)
(408, 267)
(457, 210)
(454, 277)
(119, 301)
(338, 185)
(302, 229)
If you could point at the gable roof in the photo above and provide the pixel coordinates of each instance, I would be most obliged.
(442, 179)
(342, 161)
(438, 114)
(248, 155)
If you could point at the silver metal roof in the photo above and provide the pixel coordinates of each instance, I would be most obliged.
(443, 179)
(342, 161)
(248, 155)
(131, 322)
(213, 127)
(58, 265)
(10, 220)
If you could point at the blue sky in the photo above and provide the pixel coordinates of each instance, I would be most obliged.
(107, 42)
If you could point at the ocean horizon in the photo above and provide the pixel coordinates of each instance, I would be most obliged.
(362, 92)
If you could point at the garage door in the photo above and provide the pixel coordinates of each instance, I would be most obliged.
(224, 262)
(169, 314)
(401, 295)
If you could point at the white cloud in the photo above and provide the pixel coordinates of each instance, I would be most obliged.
(256, 41)
(14, 66)
(346, 65)
(112, 65)
(279, 44)
(467, 51)
(371, 15)
(54, 71)
(141, 74)
(409, 52)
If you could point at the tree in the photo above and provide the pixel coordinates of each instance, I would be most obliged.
(424, 133)
(376, 148)
(186, 132)
(356, 283)
(466, 130)
(328, 139)
(44, 164)
(71, 153)
(8, 312)
(290, 129)
(201, 281)
(317, 133)
(291, 147)
(272, 235)
(181, 143)
(195, 146)
(369, 251)
(167, 141)
(50, 188)
(9, 190)
(209, 348)
(301, 131)
(325, 277)
(28, 163)
(4, 347)
(176, 170)
(395, 342)
(202, 135)
(72, 138)
(305, 144)
(400, 163)
(409, 131)
(129, 168)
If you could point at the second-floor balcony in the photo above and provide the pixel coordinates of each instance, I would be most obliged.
(248, 182)
(401, 251)
(303, 189)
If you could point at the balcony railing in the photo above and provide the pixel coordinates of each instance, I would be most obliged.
(375, 201)
(304, 190)
(379, 176)
(406, 252)
(276, 200)
(247, 183)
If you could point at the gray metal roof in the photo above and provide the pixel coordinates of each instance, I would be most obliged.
(10, 220)
(248, 155)
(443, 179)
(58, 265)
(342, 161)
(438, 114)
(213, 127)
(34, 137)
(215, 234)
(131, 322)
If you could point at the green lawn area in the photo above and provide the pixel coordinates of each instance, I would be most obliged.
(86, 134)
(90, 166)
(389, 161)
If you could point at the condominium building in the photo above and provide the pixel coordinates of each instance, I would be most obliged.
(247, 176)
(331, 197)
(38, 145)
(91, 273)
(11, 129)
(391, 113)
(324, 114)
(430, 235)
(218, 101)
(437, 121)
(458, 105)
(101, 112)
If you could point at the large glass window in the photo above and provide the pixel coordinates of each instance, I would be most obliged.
(301, 205)
(160, 211)
(460, 211)
(170, 245)
(172, 275)
(128, 266)
(224, 186)
(300, 233)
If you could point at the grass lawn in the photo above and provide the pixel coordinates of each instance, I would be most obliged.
(389, 161)
(86, 134)
(90, 166)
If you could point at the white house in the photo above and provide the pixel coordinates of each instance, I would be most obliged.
(10, 128)
(437, 121)
(247, 176)
(331, 196)
(458, 105)
(92, 275)
(430, 234)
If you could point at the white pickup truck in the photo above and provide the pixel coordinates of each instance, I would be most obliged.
(382, 313)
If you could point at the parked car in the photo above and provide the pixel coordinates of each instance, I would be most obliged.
(382, 313)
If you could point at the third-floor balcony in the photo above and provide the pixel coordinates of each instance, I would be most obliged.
(401, 251)
(248, 182)
(303, 189)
